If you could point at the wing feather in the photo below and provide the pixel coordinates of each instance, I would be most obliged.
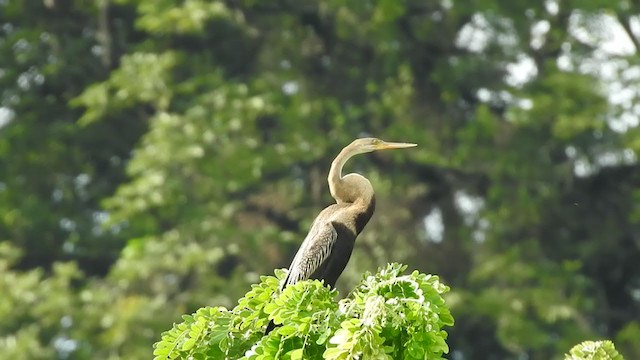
(315, 250)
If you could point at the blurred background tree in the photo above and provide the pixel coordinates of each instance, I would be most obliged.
(158, 156)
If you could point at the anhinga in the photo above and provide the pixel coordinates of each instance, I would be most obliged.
(325, 251)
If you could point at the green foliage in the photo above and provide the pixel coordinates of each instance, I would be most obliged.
(389, 315)
(628, 337)
(141, 78)
(150, 149)
(594, 350)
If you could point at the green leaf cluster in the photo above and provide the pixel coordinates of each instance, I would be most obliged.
(389, 315)
(394, 316)
(594, 350)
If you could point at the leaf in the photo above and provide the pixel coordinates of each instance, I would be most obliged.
(189, 344)
(287, 330)
(296, 354)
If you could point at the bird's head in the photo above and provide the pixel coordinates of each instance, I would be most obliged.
(366, 145)
(353, 186)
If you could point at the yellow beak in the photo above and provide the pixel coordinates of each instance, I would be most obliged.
(394, 145)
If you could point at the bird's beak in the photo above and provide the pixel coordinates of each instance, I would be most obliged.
(394, 145)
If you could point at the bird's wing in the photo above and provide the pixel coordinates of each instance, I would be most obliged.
(315, 250)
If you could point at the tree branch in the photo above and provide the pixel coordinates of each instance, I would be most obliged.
(104, 33)
(626, 25)
(436, 175)
(281, 220)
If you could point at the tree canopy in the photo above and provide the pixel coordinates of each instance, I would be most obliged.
(157, 157)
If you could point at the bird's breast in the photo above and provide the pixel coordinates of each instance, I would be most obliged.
(353, 216)
(364, 215)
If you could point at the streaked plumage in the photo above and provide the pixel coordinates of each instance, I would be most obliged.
(326, 250)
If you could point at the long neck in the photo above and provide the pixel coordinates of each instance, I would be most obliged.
(351, 188)
(335, 173)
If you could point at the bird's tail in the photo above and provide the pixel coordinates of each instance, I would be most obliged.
(270, 327)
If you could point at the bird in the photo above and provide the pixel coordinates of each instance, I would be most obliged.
(327, 248)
